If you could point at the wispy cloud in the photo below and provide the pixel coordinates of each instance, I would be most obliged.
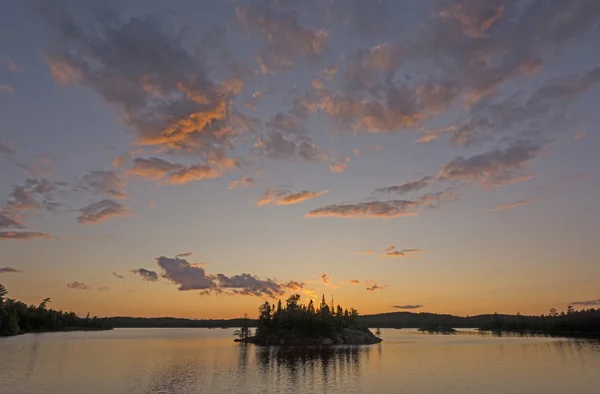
(146, 275)
(388, 209)
(106, 183)
(326, 280)
(510, 205)
(117, 275)
(372, 286)
(494, 168)
(9, 270)
(101, 211)
(274, 197)
(406, 187)
(409, 306)
(586, 303)
(244, 182)
(22, 235)
(7, 222)
(77, 286)
(186, 254)
(391, 251)
(355, 281)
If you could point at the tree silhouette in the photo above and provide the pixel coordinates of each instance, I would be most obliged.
(17, 318)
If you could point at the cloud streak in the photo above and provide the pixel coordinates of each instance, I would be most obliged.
(146, 275)
(22, 235)
(274, 197)
(9, 270)
(510, 205)
(75, 285)
(101, 211)
(408, 306)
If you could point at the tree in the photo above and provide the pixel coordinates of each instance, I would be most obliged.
(570, 309)
(378, 333)
(3, 292)
(244, 331)
(292, 302)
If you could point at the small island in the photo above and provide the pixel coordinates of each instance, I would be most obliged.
(295, 324)
(437, 329)
(17, 318)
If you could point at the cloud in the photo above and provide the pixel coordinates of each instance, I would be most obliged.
(187, 276)
(22, 235)
(493, 168)
(77, 286)
(117, 275)
(34, 194)
(9, 270)
(282, 146)
(367, 210)
(355, 281)
(186, 254)
(107, 183)
(102, 288)
(339, 166)
(586, 303)
(101, 211)
(275, 197)
(7, 222)
(193, 173)
(579, 135)
(372, 286)
(406, 187)
(244, 182)
(409, 306)
(326, 280)
(146, 275)
(286, 40)
(195, 277)
(391, 251)
(6, 89)
(153, 168)
(145, 69)
(510, 205)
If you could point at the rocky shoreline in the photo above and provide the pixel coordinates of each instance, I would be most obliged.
(349, 336)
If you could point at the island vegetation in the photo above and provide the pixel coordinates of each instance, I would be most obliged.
(571, 322)
(306, 325)
(18, 318)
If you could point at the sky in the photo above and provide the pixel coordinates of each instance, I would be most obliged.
(194, 159)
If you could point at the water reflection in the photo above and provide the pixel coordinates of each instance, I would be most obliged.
(317, 367)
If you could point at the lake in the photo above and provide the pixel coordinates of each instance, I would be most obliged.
(200, 360)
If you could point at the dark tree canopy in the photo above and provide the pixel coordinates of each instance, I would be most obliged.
(18, 318)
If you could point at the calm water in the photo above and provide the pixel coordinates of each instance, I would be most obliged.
(207, 361)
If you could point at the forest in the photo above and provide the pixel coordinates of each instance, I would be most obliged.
(18, 318)
(310, 324)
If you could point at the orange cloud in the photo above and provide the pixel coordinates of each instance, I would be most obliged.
(244, 182)
(274, 197)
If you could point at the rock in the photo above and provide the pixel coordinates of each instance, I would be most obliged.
(327, 341)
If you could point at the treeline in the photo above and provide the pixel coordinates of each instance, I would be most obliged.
(18, 318)
(584, 322)
(303, 321)
(174, 322)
